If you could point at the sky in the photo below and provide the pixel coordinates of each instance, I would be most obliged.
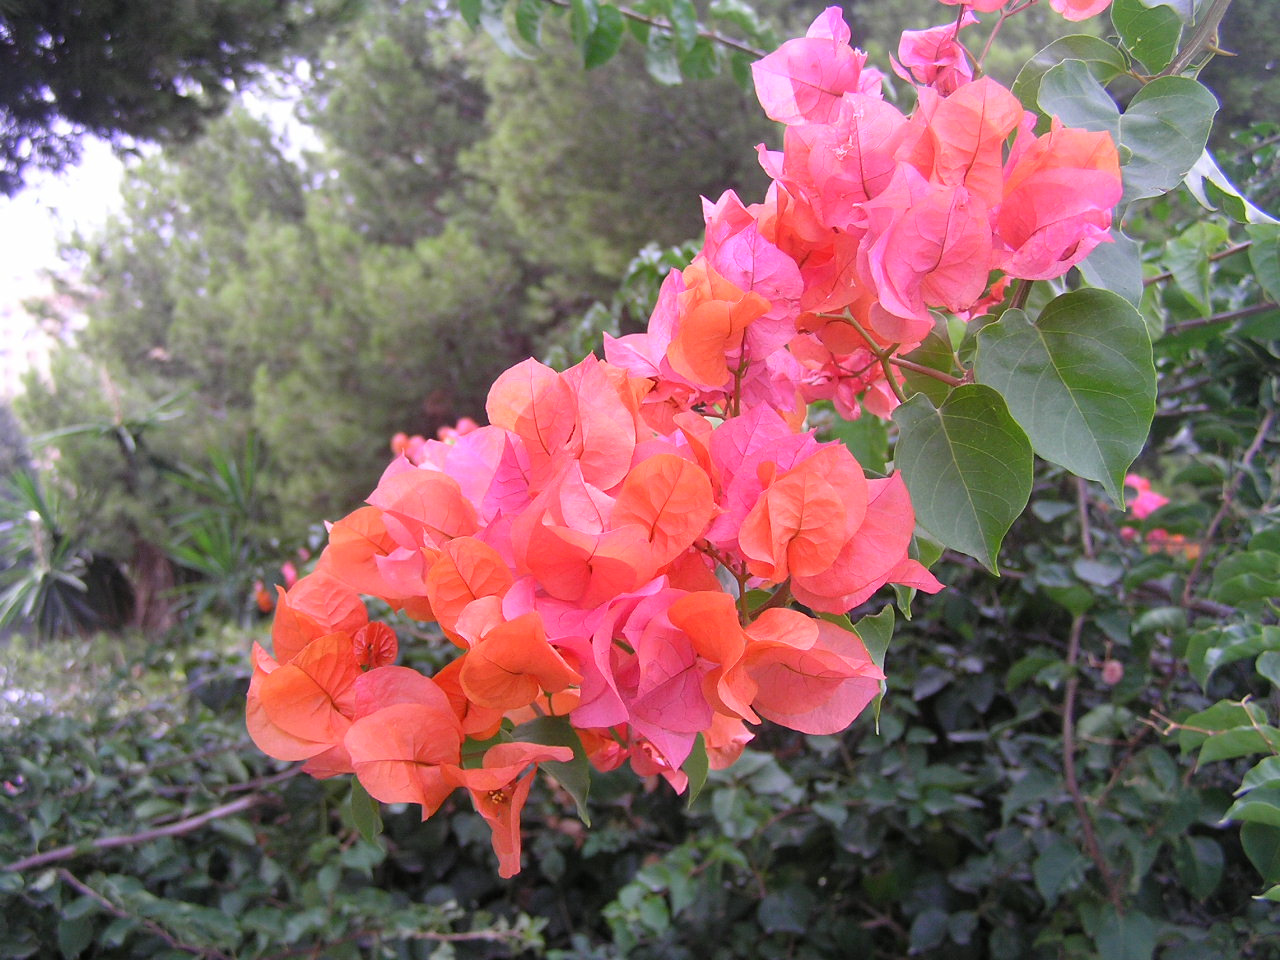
(32, 224)
(53, 206)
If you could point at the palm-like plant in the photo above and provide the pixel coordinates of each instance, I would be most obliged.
(217, 540)
(43, 573)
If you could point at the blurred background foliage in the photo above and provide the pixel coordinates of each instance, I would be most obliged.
(273, 301)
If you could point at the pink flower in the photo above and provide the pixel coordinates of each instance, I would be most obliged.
(934, 57)
(1078, 9)
(1147, 501)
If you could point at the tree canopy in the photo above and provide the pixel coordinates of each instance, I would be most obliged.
(131, 70)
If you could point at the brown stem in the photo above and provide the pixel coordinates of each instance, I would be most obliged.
(663, 24)
(882, 354)
(151, 926)
(1004, 15)
(1201, 40)
(778, 599)
(1220, 255)
(920, 368)
(486, 936)
(1082, 507)
(1020, 294)
(1228, 498)
(1091, 844)
(131, 839)
(1257, 308)
(1130, 749)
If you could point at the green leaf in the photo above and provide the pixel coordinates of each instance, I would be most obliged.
(701, 62)
(237, 829)
(660, 58)
(1239, 742)
(1103, 60)
(1266, 772)
(1199, 862)
(1187, 257)
(1127, 936)
(684, 18)
(1211, 649)
(867, 439)
(1070, 92)
(366, 813)
(927, 553)
(605, 39)
(1165, 129)
(1273, 895)
(1116, 266)
(1257, 806)
(493, 20)
(1264, 256)
(74, 935)
(1058, 868)
(1222, 716)
(1080, 381)
(967, 465)
(696, 768)
(583, 17)
(1262, 846)
(574, 775)
(1247, 579)
(935, 353)
(1207, 174)
(928, 930)
(741, 15)
(1268, 666)
(470, 11)
(875, 631)
(529, 21)
(786, 910)
(1151, 34)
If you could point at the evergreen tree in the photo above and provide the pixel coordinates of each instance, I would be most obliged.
(131, 69)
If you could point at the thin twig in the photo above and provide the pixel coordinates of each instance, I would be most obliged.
(1131, 748)
(150, 925)
(1196, 384)
(486, 936)
(1220, 255)
(1202, 39)
(1020, 294)
(127, 840)
(1082, 506)
(1264, 307)
(1069, 767)
(920, 368)
(1228, 498)
(256, 783)
(778, 598)
(882, 354)
(663, 24)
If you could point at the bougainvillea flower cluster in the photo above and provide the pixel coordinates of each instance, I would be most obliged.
(623, 546)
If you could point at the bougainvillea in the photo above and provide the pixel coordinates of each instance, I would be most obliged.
(620, 552)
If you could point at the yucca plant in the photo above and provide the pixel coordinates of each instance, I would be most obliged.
(42, 570)
(216, 540)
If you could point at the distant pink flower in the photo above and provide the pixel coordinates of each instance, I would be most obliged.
(1147, 501)
(1078, 9)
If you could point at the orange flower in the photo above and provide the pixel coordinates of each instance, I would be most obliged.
(714, 314)
(499, 792)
